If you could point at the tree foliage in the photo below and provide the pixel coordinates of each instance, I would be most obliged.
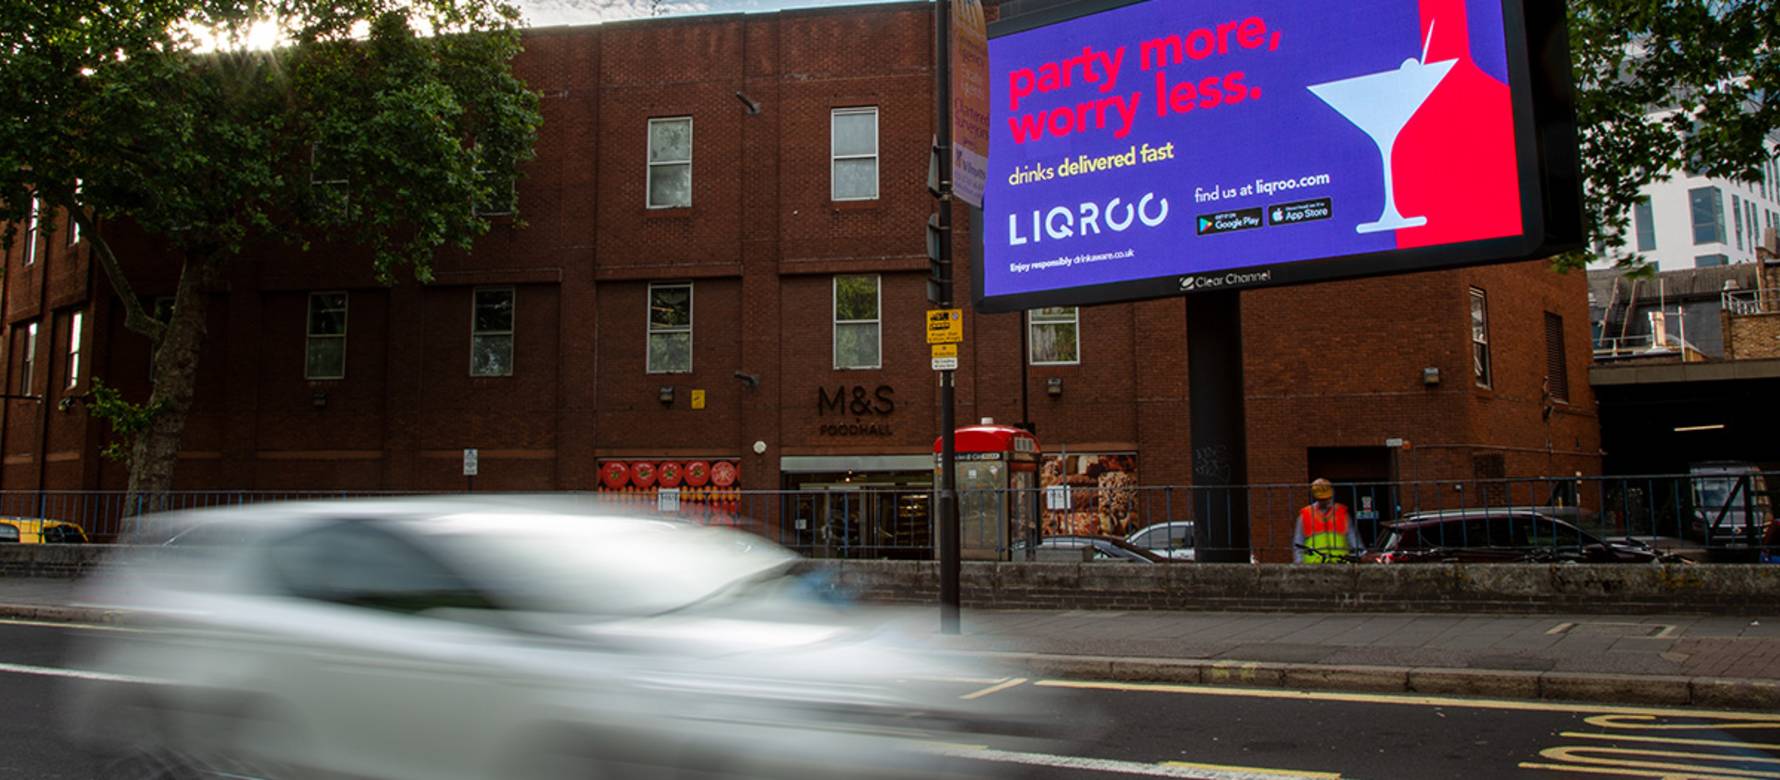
(223, 127)
(1667, 87)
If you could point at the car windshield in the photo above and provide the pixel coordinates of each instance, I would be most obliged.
(605, 566)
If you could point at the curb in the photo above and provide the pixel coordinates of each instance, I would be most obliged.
(1637, 689)
(59, 614)
(1661, 690)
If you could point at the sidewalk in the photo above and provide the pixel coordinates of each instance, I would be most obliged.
(1643, 659)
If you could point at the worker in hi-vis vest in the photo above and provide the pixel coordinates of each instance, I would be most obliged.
(1325, 531)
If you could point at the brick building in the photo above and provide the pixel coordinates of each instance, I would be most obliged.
(702, 228)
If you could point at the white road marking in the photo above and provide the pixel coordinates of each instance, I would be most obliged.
(76, 674)
(993, 689)
(1199, 771)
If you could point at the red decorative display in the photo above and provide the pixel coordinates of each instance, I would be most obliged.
(668, 475)
(723, 474)
(615, 474)
(698, 473)
(642, 474)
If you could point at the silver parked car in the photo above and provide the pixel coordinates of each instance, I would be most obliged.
(499, 638)
(1172, 540)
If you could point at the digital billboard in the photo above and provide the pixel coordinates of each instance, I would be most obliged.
(1173, 146)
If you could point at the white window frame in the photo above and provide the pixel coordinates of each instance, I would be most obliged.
(834, 311)
(876, 149)
(28, 370)
(512, 325)
(311, 335)
(31, 228)
(648, 160)
(650, 329)
(1488, 379)
(1033, 323)
(76, 328)
(73, 221)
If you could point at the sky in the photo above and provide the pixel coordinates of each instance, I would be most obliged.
(547, 13)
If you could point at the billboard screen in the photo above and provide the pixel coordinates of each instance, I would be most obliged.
(1171, 146)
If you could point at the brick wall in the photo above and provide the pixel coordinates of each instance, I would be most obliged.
(1752, 336)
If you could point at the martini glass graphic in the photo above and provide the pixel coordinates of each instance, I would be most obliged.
(1381, 104)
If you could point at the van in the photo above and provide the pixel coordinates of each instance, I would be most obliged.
(1728, 503)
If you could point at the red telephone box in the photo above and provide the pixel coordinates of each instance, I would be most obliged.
(997, 489)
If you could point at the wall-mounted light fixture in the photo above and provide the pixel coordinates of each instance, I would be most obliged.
(666, 395)
(1054, 386)
(753, 107)
(750, 380)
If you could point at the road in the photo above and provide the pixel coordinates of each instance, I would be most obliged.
(1136, 730)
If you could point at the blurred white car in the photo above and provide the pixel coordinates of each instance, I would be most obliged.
(498, 638)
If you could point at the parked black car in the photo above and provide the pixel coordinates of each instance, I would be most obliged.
(1503, 535)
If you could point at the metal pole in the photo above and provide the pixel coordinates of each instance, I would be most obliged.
(949, 552)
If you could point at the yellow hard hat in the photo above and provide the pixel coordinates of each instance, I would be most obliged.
(1322, 489)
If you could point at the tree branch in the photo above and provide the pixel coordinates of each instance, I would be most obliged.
(135, 318)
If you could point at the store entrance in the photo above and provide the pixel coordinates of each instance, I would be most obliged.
(859, 516)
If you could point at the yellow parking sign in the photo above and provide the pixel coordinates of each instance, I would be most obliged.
(945, 326)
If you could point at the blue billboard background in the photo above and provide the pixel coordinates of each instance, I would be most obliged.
(1325, 173)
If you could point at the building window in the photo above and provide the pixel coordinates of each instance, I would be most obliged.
(28, 365)
(1749, 216)
(1055, 337)
(1707, 261)
(853, 141)
(326, 352)
(491, 331)
(75, 321)
(1737, 219)
(1557, 375)
(670, 329)
(73, 222)
(1707, 204)
(670, 163)
(31, 232)
(1480, 338)
(1645, 223)
(858, 332)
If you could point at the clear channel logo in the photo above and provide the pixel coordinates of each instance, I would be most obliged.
(1219, 281)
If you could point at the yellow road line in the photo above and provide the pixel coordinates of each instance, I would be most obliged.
(1671, 740)
(1411, 700)
(1596, 770)
(1255, 770)
(996, 688)
(1640, 722)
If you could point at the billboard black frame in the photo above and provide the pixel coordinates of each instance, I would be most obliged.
(1543, 97)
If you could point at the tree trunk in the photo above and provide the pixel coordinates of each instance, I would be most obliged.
(155, 452)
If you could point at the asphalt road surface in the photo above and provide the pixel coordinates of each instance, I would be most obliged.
(1136, 730)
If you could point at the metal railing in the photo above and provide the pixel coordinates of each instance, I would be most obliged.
(1718, 515)
(1746, 302)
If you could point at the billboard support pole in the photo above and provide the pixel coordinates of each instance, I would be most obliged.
(1218, 425)
(949, 547)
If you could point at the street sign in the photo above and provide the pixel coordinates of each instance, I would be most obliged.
(945, 326)
(698, 399)
(667, 500)
(945, 363)
(470, 464)
(945, 350)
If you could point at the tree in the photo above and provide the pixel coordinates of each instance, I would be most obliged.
(1667, 86)
(373, 123)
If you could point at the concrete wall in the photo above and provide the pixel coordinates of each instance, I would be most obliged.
(1716, 589)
